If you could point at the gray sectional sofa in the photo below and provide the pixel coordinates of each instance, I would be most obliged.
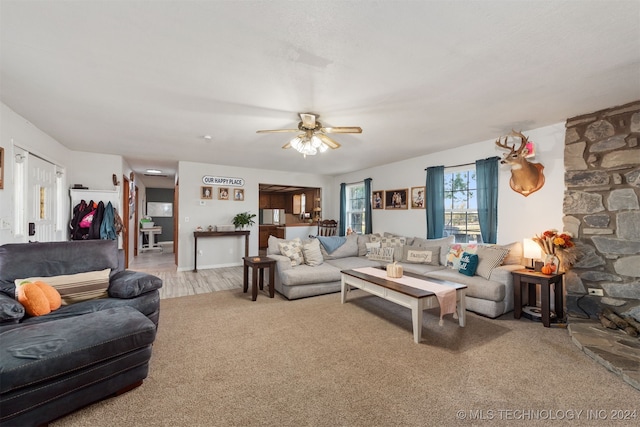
(491, 295)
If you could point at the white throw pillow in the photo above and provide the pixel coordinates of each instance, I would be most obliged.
(381, 254)
(312, 253)
(420, 255)
(371, 246)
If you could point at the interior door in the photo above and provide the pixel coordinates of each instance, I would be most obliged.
(126, 219)
(41, 201)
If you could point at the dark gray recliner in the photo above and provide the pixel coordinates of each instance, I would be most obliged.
(54, 364)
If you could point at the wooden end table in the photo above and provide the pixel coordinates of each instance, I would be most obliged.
(530, 277)
(258, 264)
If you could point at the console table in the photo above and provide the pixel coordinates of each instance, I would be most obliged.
(200, 234)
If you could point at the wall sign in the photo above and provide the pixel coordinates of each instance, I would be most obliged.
(223, 180)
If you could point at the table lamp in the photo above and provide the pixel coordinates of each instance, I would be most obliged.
(531, 250)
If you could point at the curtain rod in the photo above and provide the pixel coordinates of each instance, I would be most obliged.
(455, 166)
(355, 182)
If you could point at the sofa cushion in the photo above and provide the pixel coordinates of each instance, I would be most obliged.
(489, 257)
(36, 353)
(363, 239)
(307, 275)
(348, 248)
(477, 287)
(76, 287)
(312, 254)
(420, 268)
(130, 284)
(352, 262)
(56, 258)
(421, 255)
(515, 254)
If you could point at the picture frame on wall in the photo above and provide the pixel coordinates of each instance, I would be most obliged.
(206, 192)
(377, 200)
(396, 199)
(417, 198)
(238, 194)
(223, 193)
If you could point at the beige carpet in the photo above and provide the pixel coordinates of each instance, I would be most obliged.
(222, 360)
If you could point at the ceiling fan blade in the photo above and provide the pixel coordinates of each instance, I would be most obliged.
(343, 129)
(330, 142)
(287, 145)
(308, 120)
(277, 130)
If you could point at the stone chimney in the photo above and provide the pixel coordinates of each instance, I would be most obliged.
(601, 210)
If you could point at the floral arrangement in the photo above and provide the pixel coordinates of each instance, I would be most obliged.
(560, 244)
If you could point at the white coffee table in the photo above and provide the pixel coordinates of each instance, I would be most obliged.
(415, 299)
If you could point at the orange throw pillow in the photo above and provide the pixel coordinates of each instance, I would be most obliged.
(38, 298)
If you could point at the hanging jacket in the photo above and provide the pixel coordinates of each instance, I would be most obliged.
(94, 228)
(107, 228)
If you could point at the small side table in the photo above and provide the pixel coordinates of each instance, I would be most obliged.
(258, 264)
(529, 277)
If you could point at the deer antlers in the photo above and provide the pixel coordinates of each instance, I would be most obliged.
(523, 142)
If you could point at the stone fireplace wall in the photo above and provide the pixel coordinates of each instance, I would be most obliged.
(601, 209)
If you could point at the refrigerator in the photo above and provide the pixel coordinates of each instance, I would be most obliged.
(272, 217)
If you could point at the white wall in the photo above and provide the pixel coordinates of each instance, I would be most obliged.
(16, 131)
(518, 217)
(228, 251)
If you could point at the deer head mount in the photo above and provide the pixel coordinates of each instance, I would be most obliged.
(526, 177)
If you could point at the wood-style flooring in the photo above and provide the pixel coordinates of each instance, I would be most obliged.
(184, 283)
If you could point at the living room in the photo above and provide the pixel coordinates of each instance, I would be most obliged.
(220, 359)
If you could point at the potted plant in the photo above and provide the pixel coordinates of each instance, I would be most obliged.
(244, 220)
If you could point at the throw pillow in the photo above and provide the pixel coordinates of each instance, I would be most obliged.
(489, 257)
(396, 242)
(381, 254)
(312, 253)
(371, 246)
(363, 239)
(292, 249)
(76, 287)
(420, 255)
(455, 253)
(468, 264)
(38, 298)
(443, 242)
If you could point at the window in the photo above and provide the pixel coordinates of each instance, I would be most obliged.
(355, 207)
(461, 206)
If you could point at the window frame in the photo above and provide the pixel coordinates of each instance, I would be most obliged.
(466, 228)
(359, 228)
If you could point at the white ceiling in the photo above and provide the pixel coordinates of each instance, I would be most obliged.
(148, 79)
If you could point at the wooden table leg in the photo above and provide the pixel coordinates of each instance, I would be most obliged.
(545, 301)
(245, 278)
(517, 297)
(254, 284)
(272, 285)
(261, 277)
(557, 290)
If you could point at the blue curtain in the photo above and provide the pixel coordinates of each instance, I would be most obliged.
(487, 187)
(343, 209)
(435, 202)
(368, 220)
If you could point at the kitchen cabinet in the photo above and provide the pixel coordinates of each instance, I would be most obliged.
(265, 231)
(272, 201)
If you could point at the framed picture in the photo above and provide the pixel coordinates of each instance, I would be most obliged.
(223, 193)
(377, 200)
(417, 197)
(206, 192)
(238, 194)
(396, 199)
(1, 168)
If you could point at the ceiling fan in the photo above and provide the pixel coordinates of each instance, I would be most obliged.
(314, 136)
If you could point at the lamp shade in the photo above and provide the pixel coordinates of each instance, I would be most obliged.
(531, 250)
